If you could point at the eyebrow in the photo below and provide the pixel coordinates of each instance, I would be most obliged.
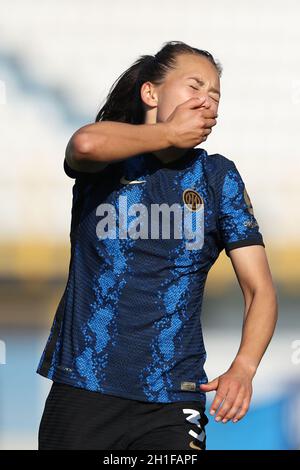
(201, 83)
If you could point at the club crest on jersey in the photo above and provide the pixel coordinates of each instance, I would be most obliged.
(192, 200)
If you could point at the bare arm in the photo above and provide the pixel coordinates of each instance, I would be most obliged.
(261, 311)
(94, 146)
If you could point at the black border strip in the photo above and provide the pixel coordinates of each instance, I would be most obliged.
(240, 243)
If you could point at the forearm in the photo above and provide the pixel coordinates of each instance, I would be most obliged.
(109, 141)
(260, 319)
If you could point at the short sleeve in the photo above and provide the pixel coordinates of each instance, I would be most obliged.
(237, 224)
(70, 172)
(84, 175)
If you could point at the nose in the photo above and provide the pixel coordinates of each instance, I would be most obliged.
(208, 101)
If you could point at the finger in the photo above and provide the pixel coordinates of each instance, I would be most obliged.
(195, 102)
(208, 123)
(235, 407)
(209, 113)
(226, 405)
(206, 132)
(219, 397)
(243, 410)
(209, 386)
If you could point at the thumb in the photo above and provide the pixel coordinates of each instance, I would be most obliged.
(209, 386)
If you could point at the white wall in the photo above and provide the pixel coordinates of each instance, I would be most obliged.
(83, 46)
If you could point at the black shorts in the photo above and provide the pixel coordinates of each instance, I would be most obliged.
(75, 418)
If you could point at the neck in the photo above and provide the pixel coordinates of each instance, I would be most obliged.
(170, 154)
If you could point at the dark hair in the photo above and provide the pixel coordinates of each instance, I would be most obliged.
(123, 102)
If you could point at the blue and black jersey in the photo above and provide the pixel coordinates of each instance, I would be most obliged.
(144, 235)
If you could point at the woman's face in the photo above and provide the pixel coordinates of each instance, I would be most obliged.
(194, 76)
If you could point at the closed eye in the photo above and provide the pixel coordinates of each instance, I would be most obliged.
(217, 101)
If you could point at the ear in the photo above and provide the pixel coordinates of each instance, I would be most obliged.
(149, 94)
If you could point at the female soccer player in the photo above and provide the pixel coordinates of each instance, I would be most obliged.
(151, 214)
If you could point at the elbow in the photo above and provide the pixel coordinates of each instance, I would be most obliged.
(262, 290)
(276, 302)
(272, 292)
(82, 147)
(269, 293)
(273, 299)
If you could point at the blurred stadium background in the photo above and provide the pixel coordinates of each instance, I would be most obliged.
(58, 60)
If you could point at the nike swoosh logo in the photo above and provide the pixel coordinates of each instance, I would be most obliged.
(193, 446)
(123, 180)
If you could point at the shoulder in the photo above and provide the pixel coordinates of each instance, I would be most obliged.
(216, 165)
(217, 161)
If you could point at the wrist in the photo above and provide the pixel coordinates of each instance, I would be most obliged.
(169, 133)
(246, 363)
